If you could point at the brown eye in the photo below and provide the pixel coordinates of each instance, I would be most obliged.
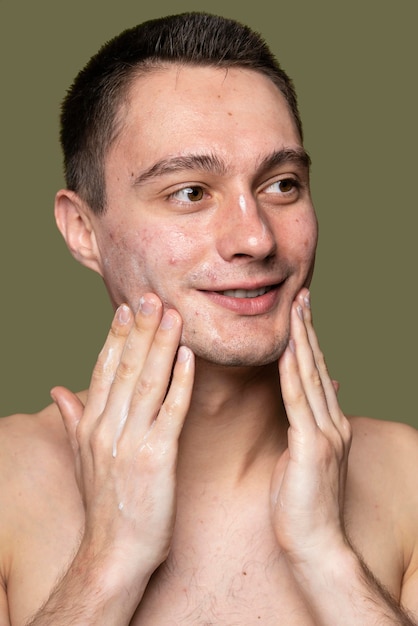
(194, 193)
(286, 185)
(189, 194)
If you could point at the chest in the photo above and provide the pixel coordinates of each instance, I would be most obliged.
(243, 581)
(238, 576)
(223, 570)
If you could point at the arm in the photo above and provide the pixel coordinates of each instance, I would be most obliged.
(308, 492)
(125, 445)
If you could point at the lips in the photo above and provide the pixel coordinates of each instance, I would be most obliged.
(245, 293)
(257, 301)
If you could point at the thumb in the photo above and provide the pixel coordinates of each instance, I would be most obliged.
(71, 409)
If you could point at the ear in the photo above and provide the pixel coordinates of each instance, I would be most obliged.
(74, 221)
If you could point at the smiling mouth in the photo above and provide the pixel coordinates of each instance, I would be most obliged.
(246, 293)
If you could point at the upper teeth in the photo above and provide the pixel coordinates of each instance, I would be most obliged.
(245, 293)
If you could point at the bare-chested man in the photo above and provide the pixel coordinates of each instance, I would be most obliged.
(208, 476)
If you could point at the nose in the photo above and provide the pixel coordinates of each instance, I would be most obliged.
(244, 230)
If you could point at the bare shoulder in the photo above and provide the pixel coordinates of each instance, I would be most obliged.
(384, 455)
(35, 457)
(26, 438)
(40, 505)
(382, 481)
(38, 491)
(32, 440)
(385, 444)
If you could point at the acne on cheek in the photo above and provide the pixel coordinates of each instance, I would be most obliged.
(153, 248)
(299, 238)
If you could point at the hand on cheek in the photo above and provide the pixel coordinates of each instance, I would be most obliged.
(308, 485)
(125, 439)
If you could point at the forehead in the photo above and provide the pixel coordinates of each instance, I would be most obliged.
(183, 108)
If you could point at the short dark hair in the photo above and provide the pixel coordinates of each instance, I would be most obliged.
(89, 116)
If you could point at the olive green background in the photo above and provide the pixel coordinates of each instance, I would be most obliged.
(354, 67)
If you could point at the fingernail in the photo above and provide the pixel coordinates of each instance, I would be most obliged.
(123, 314)
(307, 300)
(167, 322)
(299, 311)
(183, 354)
(146, 306)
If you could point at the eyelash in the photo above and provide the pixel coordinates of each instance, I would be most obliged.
(188, 189)
(191, 189)
(296, 185)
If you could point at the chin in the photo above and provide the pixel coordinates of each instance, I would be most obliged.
(240, 353)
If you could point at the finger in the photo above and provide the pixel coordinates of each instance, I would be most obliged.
(140, 386)
(71, 409)
(310, 378)
(297, 407)
(330, 387)
(151, 386)
(107, 362)
(174, 409)
(128, 359)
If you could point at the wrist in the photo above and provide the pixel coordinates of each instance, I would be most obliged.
(326, 568)
(114, 576)
(340, 589)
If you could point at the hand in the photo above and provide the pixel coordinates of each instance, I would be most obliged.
(308, 485)
(125, 438)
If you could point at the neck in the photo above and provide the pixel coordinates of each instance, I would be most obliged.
(236, 426)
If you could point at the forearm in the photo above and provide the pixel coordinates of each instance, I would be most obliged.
(341, 590)
(93, 591)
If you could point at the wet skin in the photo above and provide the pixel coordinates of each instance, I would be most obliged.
(219, 201)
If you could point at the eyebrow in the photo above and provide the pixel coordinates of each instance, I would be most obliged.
(213, 164)
(297, 156)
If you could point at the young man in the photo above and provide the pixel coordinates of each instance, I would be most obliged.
(208, 476)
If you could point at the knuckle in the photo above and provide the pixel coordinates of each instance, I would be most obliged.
(102, 365)
(330, 449)
(152, 455)
(144, 387)
(170, 408)
(98, 440)
(124, 371)
(316, 379)
(320, 360)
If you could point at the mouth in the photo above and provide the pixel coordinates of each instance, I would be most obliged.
(246, 293)
(247, 302)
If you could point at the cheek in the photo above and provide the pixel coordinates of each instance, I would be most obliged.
(302, 236)
(179, 247)
(144, 259)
